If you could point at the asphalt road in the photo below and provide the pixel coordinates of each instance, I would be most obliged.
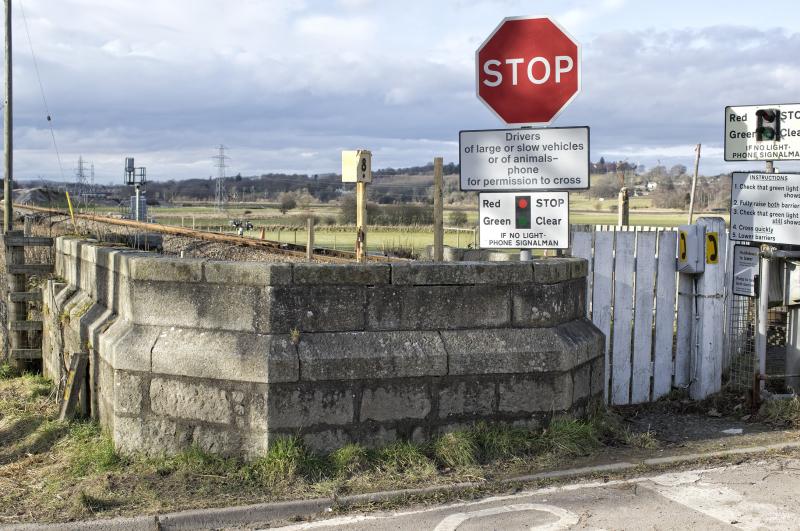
(756, 495)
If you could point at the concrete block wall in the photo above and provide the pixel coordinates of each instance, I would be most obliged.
(230, 355)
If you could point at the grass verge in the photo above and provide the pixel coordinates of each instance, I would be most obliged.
(55, 471)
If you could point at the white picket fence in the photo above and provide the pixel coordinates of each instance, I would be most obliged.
(646, 311)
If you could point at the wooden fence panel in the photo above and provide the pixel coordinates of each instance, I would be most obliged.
(582, 248)
(603, 291)
(684, 330)
(643, 316)
(623, 317)
(666, 282)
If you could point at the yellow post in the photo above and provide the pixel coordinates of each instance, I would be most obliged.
(361, 222)
(71, 213)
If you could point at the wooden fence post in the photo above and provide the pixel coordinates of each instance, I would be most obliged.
(711, 310)
(361, 222)
(623, 208)
(16, 310)
(438, 211)
(310, 239)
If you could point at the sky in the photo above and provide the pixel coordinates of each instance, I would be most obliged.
(286, 85)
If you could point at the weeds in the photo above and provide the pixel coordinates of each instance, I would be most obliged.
(349, 460)
(785, 412)
(500, 441)
(6, 371)
(92, 450)
(569, 437)
(287, 459)
(404, 458)
(456, 449)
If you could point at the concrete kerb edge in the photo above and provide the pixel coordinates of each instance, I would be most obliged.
(263, 513)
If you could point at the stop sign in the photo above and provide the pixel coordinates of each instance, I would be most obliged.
(528, 70)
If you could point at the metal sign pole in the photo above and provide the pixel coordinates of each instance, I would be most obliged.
(762, 317)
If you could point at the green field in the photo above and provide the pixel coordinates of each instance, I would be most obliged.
(290, 227)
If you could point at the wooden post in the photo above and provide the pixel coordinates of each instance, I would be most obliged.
(192, 222)
(694, 183)
(263, 232)
(361, 222)
(310, 239)
(711, 310)
(623, 207)
(17, 311)
(74, 384)
(438, 211)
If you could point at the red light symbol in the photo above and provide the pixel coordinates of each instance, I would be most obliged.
(523, 203)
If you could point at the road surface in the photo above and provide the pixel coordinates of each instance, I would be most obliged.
(762, 494)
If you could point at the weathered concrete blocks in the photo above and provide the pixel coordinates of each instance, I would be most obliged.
(247, 273)
(367, 355)
(460, 273)
(312, 309)
(438, 307)
(342, 274)
(543, 305)
(128, 392)
(149, 267)
(396, 401)
(234, 356)
(195, 401)
(230, 356)
(194, 305)
(465, 397)
(303, 406)
(529, 394)
(506, 350)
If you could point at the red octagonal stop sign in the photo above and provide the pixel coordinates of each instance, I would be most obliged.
(528, 70)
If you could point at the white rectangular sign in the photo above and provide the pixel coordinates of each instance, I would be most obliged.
(555, 158)
(524, 220)
(765, 207)
(741, 142)
(745, 269)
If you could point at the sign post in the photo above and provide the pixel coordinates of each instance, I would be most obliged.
(526, 72)
(357, 168)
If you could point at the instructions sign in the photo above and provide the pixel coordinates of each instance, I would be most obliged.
(524, 220)
(765, 207)
(745, 269)
(555, 158)
(742, 138)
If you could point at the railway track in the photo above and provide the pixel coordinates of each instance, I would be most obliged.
(288, 249)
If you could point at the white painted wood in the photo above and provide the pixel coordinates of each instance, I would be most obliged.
(625, 247)
(665, 314)
(711, 318)
(684, 330)
(602, 290)
(643, 316)
(726, 346)
(582, 248)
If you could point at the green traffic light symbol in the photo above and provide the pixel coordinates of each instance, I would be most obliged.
(522, 214)
(768, 125)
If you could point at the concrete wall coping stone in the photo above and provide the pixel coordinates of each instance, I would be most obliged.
(360, 274)
(247, 273)
(456, 273)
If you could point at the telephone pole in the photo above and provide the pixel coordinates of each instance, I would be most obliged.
(8, 141)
